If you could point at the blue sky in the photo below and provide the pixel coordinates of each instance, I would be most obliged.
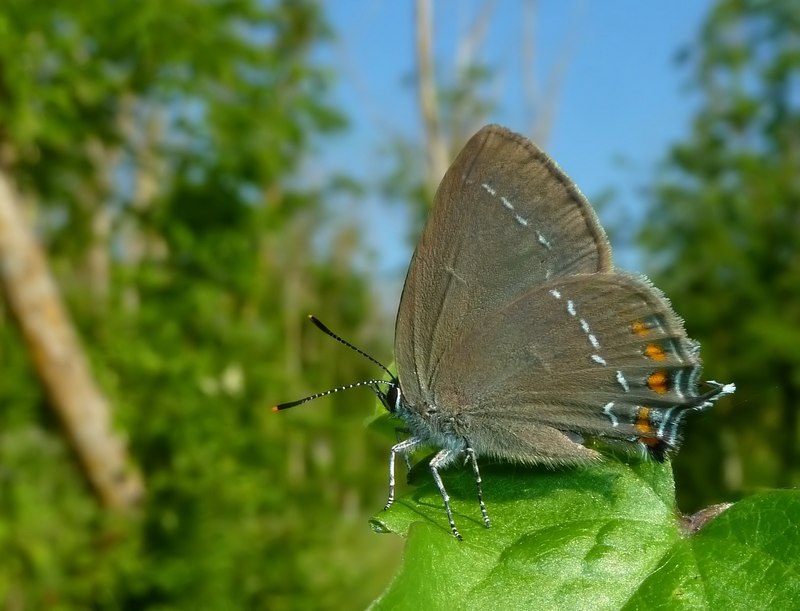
(622, 95)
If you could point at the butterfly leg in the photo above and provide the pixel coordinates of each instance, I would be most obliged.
(403, 447)
(399, 432)
(440, 461)
(473, 459)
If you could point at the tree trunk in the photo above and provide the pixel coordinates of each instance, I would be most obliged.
(435, 147)
(59, 359)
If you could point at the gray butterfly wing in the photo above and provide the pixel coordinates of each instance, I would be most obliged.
(599, 355)
(505, 218)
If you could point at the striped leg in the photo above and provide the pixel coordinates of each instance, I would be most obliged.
(440, 461)
(399, 432)
(403, 447)
(473, 459)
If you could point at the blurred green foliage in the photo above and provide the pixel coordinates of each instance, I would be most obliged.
(724, 234)
(159, 147)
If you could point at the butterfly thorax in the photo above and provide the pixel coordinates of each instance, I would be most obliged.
(432, 426)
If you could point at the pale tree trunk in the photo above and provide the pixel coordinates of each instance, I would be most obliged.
(59, 360)
(435, 145)
(540, 102)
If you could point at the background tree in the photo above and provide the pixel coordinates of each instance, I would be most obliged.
(724, 236)
(165, 158)
(158, 150)
(456, 94)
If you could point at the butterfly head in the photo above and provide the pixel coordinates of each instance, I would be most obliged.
(389, 394)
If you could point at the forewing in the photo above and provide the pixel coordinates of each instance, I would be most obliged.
(505, 219)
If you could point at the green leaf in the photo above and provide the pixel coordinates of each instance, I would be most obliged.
(602, 537)
(747, 558)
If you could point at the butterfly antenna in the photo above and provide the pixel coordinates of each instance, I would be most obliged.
(282, 406)
(329, 333)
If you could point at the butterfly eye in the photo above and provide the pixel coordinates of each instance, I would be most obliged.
(392, 401)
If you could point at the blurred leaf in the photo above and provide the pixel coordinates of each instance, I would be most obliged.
(166, 155)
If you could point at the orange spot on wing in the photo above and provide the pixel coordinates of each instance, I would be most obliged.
(639, 328)
(655, 352)
(642, 424)
(657, 382)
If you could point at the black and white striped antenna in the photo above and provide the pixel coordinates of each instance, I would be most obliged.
(370, 383)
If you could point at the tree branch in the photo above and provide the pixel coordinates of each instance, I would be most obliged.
(435, 146)
(59, 359)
